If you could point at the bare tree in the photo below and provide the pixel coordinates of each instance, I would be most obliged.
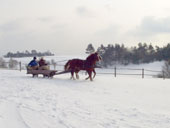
(166, 69)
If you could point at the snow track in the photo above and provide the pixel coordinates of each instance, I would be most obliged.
(107, 102)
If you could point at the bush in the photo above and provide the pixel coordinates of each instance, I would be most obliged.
(166, 70)
(2, 63)
(13, 63)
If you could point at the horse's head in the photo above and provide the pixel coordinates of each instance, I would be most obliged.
(97, 57)
(94, 57)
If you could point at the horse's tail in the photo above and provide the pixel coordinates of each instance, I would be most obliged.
(67, 66)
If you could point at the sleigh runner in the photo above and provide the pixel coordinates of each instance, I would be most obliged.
(45, 73)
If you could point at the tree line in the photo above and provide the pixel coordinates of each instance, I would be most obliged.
(28, 54)
(120, 54)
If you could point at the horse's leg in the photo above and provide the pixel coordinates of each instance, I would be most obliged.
(90, 73)
(77, 76)
(72, 75)
(88, 76)
(94, 73)
(93, 76)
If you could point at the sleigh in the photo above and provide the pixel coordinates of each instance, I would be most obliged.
(45, 73)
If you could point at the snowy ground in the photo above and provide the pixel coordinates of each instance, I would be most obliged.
(107, 102)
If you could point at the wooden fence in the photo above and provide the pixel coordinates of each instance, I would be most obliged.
(116, 71)
(133, 72)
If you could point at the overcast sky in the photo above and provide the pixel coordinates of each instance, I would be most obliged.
(68, 26)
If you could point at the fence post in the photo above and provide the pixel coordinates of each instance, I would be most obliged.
(163, 74)
(142, 73)
(55, 66)
(115, 71)
(20, 66)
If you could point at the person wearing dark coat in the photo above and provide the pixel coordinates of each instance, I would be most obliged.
(33, 65)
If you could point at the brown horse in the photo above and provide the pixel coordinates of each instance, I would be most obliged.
(75, 65)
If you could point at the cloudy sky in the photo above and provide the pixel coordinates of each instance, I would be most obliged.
(68, 26)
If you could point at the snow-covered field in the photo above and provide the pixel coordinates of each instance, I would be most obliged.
(107, 102)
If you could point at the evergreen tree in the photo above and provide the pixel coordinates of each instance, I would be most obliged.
(143, 53)
(101, 50)
(90, 49)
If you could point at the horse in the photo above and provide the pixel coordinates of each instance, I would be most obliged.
(75, 65)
